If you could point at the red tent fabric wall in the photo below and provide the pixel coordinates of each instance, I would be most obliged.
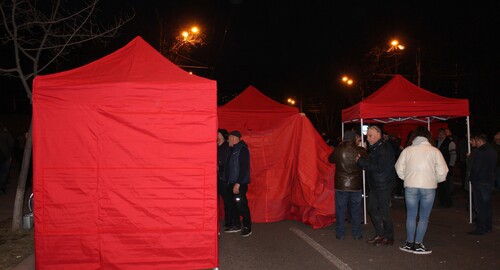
(290, 174)
(125, 165)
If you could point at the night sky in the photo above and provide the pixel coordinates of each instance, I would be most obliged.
(300, 49)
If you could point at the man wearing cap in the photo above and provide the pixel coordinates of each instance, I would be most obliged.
(237, 175)
(348, 184)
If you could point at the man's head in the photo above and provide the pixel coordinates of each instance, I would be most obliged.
(221, 136)
(349, 135)
(481, 139)
(448, 133)
(497, 138)
(441, 134)
(373, 135)
(234, 137)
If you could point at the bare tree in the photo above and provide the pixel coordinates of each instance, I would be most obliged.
(41, 33)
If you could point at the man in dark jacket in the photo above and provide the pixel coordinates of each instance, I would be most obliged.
(381, 179)
(237, 175)
(447, 146)
(348, 184)
(222, 187)
(482, 177)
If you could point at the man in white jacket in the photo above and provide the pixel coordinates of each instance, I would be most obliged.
(421, 166)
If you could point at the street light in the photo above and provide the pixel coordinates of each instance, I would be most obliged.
(395, 46)
(349, 81)
(394, 50)
(291, 101)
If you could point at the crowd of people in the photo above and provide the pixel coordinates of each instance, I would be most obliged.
(418, 172)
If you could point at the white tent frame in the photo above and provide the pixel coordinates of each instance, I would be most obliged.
(401, 119)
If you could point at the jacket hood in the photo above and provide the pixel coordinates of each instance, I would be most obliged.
(418, 140)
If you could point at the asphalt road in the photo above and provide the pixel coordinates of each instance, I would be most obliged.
(293, 245)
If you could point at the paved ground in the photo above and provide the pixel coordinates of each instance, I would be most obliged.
(293, 245)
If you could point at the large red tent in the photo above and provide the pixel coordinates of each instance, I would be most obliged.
(290, 174)
(125, 165)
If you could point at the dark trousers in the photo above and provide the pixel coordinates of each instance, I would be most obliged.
(379, 208)
(482, 203)
(225, 194)
(231, 217)
(445, 190)
(239, 207)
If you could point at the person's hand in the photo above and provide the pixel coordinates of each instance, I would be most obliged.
(236, 188)
(357, 157)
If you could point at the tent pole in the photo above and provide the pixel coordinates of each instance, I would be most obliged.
(470, 185)
(364, 174)
(342, 135)
(428, 123)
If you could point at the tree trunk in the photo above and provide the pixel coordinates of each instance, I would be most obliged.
(17, 217)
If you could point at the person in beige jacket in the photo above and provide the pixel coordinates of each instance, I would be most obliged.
(421, 166)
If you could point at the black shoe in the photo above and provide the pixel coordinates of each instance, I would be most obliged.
(375, 239)
(339, 237)
(407, 247)
(246, 232)
(357, 237)
(233, 229)
(421, 249)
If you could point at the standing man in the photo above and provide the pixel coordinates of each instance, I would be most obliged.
(381, 179)
(237, 175)
(348, 184)
(447, 147)
(421, 166)
(222, 187)
(482, 177)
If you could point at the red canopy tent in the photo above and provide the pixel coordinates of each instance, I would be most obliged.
(399, 100)
(125, 165)
(290, 174)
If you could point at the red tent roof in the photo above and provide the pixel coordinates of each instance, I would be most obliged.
(400, 100)
(137, 62)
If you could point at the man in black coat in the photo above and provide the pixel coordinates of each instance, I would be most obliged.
(381, 179)
(482, 178)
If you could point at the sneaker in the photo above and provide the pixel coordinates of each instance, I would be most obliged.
(420, 249)
(408, 247)
(246, 232)
(232, 229)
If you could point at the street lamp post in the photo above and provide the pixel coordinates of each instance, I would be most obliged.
(395, 49)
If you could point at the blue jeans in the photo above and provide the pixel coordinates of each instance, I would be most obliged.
(413, 197)
(343, 200)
